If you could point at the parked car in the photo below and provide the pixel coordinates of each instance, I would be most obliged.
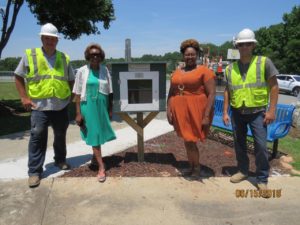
(289, 83)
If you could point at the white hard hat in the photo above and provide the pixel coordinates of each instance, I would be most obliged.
(245, 35)
(49, 29)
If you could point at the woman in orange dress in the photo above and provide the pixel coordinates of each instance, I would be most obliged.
(190, 102)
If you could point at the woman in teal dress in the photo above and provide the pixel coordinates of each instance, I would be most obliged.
(93, 97)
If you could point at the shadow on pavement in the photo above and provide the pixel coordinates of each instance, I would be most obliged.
(74, 162)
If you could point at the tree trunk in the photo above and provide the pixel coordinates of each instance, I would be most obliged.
(7, 29)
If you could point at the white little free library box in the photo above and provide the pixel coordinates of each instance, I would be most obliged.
(139, 87)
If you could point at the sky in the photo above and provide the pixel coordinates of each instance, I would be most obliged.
(158, 26)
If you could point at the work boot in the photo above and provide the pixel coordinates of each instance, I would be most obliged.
(34, 181)
(62, 165)
(263, 190)
(238, 177)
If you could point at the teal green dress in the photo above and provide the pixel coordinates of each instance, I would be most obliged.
(95, 114)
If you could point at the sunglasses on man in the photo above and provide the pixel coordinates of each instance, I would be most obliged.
(247, 44)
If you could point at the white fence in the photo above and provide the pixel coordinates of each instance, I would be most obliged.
(7, 76)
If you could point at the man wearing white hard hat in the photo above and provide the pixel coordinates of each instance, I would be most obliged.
(252, 92)
(44, 80)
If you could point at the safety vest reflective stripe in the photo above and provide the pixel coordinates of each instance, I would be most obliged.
(44, 77)
(34, 59)
(237, 87)
(65, 66)
(262, 84)
(258, 70)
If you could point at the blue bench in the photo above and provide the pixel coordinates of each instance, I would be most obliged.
(278, 129)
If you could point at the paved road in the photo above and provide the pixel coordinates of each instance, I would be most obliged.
(283, 98)
(286, 99)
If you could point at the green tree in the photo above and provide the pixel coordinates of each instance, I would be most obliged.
(8, 20)
(9, 64)
(172, 59)
(292, 40)
(224, 48)
(210, 49)
(281, 42)
(77, 63)
(269, 43)
(72, 17)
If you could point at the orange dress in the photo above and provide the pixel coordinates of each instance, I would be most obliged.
(188, 102)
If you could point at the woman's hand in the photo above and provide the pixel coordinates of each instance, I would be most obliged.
(79, 119)
(205, 121)
(205, 124)
(110, 114)
(169, 116)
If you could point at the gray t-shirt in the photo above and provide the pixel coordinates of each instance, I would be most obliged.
(270, 71)
(53, 103)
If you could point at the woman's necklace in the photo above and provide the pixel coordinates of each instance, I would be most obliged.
(181, 85)
(94, 94)
(180, 88)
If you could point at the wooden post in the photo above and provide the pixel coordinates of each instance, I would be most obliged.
(140, 137)
(139, 126)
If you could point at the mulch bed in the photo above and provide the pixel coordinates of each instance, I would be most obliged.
(165, 156)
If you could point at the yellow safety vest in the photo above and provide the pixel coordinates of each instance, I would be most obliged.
(251, 92)
(44, 82)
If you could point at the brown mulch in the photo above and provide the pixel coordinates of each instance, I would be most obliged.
(165, 156)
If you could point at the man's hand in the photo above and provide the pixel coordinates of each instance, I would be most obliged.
(27, 103)
(226, 119)
(269, 117)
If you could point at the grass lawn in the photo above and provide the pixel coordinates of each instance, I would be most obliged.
(291, 146)
(15, 122)
(287, 145)
(19, 121)
(8, 91)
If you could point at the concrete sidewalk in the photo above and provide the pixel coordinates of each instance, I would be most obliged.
(13, 165)
(148, 200)
(130, 201)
